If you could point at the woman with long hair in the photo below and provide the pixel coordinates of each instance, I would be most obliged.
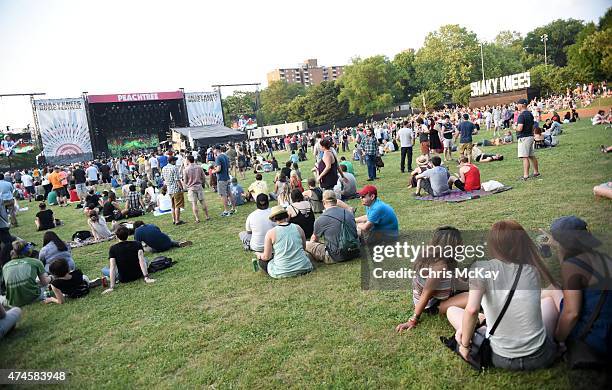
(521, 340)
(327, 168)
(434, 294)
(54, 248)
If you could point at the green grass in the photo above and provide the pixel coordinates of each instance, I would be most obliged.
(211, 321)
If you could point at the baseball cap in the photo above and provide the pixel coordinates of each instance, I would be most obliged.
(572, 233)
(522, 101)
(368, 190)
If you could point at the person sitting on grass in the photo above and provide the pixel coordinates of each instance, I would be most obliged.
(300, 212)
(73, 195)
(282, 190)
(54, 248)
(93, 200)
(329, 226)
(314, 195)
(434, 181)
(347, 186)
(164, 201)
(126, 261)
(423, 164)
(435, 295)
(380, 221)
(153, 239)
(45, 218)
(111, 209)
(523, 337)
(287, 242)
(8, 319)
(236, 192)
(469, 176)
(257, 225)
(259, 186)
(97, 226)
(52, 198)
(604, 190)
(134, 205)
(66, 283)
(25, 278)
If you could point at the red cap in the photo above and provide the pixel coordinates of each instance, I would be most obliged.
(368, 190)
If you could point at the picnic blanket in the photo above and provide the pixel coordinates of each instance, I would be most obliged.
(456, 196)
(89, 241)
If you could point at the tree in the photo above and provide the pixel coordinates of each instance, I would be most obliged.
(404, 62)
(275, 100)
(551, 79)
(449, 59)
(597, 47)
(561, 33)
(296, 110)
(240, 103)
(500, 60)
(584, 63)
(462, 95)
(369, 85)
(606, 20)
(322, 104)
(427, 100)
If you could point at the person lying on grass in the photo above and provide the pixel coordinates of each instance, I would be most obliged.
(126, 261)
(154, 239)
(435, 295)
(66, 283)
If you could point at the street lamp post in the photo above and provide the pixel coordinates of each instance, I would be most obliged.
(544, 38)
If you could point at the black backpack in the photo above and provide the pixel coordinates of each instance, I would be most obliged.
(160, 263)
(81, 235)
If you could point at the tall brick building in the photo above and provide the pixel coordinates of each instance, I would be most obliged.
(308, 73)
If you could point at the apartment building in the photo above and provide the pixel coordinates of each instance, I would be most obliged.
(308, 73)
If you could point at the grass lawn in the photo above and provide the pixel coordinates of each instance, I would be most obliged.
(211, 321)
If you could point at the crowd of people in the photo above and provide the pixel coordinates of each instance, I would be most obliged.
(313, 224)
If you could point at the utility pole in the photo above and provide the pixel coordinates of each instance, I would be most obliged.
(544, 38)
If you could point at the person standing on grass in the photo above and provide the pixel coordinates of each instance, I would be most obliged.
(406, 138)
(369, 145)
(524, 136)
(174, 184)
(448, 132)
(222, 165)
(194, 178)
(126, 261)
(466, 130)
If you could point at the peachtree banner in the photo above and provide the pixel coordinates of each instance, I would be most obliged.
(204, 108)
(64, 130)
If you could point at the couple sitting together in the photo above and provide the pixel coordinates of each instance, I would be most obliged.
(437, 181)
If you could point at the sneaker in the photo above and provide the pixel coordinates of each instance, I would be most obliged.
(95, 283)
(233, 211)
(523, 178)
(225, 214)
(536, 175)
(185, 243)
(179, 223)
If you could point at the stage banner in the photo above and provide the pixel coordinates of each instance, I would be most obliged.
(204, 108)
(64, 130)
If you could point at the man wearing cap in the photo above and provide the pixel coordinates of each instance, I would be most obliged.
(329, 227)
(257, 225)
(222, 166)
(524, 136)
(380, 221)
(174, 184)
(466, 129)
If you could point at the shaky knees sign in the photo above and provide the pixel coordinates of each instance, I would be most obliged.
(501, 84)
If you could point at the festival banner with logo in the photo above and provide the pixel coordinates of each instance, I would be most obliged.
(64, 130)
(204, 108)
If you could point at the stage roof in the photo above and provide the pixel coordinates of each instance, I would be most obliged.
(211, 134)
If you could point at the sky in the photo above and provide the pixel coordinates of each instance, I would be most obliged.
(65, 47)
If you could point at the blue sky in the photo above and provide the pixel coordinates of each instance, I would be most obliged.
(64, 47)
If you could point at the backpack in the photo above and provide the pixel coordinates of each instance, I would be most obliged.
(160, 263)
(347, 244)
(81, 235)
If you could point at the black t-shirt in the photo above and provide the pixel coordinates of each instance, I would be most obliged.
(108, 209)
(79, 176)
(525, 118)
(286, 172)
(74, 287)
(45, 217)
(92, 200)
(448, 130)
(105, 169)
(125, 254)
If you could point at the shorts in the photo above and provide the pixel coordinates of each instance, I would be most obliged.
(448, 143)
(92, 182)
(178, 200)
(525, 147)
(223, 187)
(195, 195)
(466, 147)
(61, 191)
(425, 147)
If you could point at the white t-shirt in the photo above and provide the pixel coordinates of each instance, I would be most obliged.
(521, 331)
(154, 163)
(92, 172)
(258, 223)
(164, 202)
(27, 180)
(406, 137)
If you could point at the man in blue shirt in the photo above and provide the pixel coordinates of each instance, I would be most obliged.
(466, 129)
(163, 160)
(524, 137)
(154, 238)
(380, 221)
(222, 165)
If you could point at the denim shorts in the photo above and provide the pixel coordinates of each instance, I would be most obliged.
(542, 358)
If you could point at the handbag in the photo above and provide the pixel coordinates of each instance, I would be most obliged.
(480, 353)
(581, 355)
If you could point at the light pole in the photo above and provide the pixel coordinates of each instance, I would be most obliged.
(482, 62)
(544, 38)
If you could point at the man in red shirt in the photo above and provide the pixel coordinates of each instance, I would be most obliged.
(469, 176)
